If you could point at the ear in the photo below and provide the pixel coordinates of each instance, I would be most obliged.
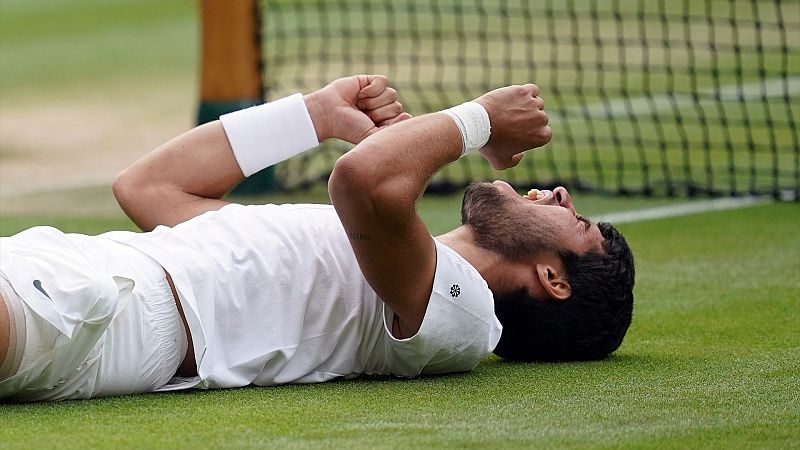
(553, 282)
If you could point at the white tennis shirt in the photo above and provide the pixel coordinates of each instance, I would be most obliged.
(273, 294)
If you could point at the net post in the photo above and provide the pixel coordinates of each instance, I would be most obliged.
(231, 69)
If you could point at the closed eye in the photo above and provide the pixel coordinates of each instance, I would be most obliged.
(586, 222)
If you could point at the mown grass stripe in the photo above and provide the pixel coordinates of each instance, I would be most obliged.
(683, 209)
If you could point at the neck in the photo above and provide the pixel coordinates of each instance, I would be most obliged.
(462, 240)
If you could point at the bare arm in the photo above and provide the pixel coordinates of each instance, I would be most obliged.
(374, 188)
(190, 174)
(182, 178)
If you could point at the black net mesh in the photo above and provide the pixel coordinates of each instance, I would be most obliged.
(653, 97)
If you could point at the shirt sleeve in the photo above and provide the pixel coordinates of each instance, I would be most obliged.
(459, 328)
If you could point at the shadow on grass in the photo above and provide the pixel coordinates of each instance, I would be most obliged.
(493, 370)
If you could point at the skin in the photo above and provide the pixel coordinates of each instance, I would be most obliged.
(374, 188)
(190, 174)
(556, 225)
(576, 233)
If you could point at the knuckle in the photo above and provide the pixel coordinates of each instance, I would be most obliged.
(545, 134)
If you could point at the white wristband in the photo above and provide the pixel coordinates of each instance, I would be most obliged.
(267, 134)
(473, 122)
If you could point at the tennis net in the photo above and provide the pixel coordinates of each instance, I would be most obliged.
(645, 97)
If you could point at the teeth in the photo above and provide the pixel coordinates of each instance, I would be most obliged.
(535, 194)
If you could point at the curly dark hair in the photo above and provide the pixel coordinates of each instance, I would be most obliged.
(589, 325)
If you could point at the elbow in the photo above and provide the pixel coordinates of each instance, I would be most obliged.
(123, 188)
(360, 183)
(131, 190)
(347, 177)
(356, 176)
(349, 182)
(137, 198)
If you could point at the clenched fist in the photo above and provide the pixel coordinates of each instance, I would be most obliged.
(518, 122)
(355, 107)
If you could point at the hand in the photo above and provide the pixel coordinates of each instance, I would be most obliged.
(518, 122)
(355, 107)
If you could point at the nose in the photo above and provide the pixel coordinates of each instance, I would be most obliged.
(562, 197)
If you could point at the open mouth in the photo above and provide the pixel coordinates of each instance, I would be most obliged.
(539, 195)
(534, 194)
(557, 196)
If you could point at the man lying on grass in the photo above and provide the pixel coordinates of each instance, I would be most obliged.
(218, 295)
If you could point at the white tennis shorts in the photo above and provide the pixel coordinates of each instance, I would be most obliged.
(131, 340)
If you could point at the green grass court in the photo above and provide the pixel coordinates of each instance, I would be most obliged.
(712, 359)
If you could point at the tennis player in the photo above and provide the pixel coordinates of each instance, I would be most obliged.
(220, 295)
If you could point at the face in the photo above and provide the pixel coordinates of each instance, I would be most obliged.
(517, 227)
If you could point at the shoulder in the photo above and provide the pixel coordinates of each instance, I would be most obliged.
(459, 328)
(460, 291)
(456, 279)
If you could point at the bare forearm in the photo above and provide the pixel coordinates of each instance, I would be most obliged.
(374, 189)
(190, 174)
(394, 166)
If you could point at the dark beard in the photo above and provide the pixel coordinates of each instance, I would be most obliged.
(498, 227)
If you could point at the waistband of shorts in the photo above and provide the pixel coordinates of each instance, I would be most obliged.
(167, 327)
(154, 288)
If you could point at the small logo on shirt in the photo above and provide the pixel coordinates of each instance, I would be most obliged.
(455, 291)
(38, 285)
